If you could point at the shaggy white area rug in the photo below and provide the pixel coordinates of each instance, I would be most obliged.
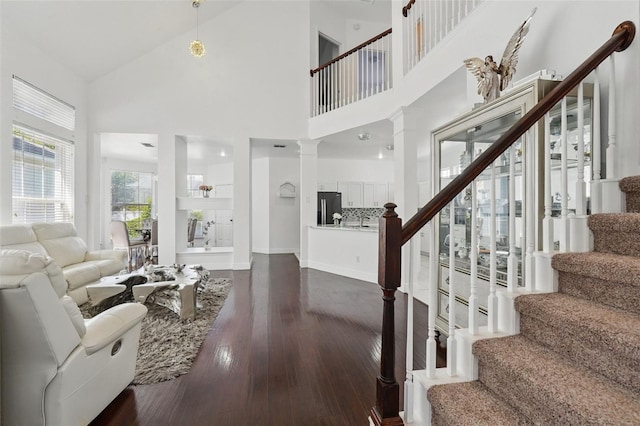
(168, 345)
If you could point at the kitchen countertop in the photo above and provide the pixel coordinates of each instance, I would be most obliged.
(348, 228)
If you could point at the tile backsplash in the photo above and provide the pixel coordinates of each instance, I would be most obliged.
(354, 214)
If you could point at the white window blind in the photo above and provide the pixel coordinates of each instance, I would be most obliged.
(42, 177)
(37, 102)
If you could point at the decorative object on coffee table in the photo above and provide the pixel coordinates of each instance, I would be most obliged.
(175, 290)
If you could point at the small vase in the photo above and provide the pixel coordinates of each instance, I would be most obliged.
(205, 194)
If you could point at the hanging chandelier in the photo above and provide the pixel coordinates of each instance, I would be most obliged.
(196, 47)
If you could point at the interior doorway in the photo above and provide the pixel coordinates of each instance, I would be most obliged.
(328, 49)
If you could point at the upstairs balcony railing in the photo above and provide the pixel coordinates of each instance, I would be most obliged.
(359, 73)
(428, 22)
(394, 234)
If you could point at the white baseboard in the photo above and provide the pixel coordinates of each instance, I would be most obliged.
(351, 273)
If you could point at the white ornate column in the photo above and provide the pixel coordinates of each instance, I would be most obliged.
(405, 142)
(308, 197)
(242, 203)
(172, 167)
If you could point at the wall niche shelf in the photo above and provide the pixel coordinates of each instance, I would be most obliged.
(287, 190)
(193, 203)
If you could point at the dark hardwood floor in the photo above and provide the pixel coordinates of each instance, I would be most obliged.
(290, 346)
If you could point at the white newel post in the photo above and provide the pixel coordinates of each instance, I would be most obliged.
(308, 197)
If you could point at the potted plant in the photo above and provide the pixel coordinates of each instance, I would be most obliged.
(205, 190)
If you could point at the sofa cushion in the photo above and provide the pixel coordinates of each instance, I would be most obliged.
(21, 263)
(61, 242)
(107, 266)
(20, 237)
(81, 274)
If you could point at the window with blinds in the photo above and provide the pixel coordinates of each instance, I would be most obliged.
(37, 102)
(42, 177)
(43, 171)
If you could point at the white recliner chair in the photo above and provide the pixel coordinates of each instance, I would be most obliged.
(58, 368)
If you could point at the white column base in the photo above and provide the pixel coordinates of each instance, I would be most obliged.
(467, 362)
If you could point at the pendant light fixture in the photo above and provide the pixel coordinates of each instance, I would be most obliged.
(196, 47)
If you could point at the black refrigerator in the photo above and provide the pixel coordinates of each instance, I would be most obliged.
(328, 204)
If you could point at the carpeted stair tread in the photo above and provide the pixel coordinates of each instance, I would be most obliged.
(630, 184)
(616, 233)
(550, 389)
(619, 222)
(604, 339)
(631, 187)
(608, 267)
(470, 403)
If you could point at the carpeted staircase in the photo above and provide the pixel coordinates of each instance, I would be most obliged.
(576, 360)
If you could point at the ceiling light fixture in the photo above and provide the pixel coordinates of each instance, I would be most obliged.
(196, 47)
(364, 136)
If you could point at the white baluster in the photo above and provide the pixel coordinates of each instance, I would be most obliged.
(408, 383)
(564, 180)
(596, 146)
(492, 302)
(612, 147)
(451, 340)
(581, 202)
(529, 214)
(547, 222)
(473, 294)
(512, 260)
(434, 269)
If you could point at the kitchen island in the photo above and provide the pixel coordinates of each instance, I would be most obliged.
(351, 251)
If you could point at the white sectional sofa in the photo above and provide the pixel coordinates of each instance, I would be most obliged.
(61, 242)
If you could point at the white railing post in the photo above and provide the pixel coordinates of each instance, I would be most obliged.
(512, 259)
(451, 340)
(434, 267)
(408, 383)
(492, 303)
(528, 211)
(473, 257)
(564, 179)
(611, 146)
(596, 147)
(581, 202)
(547, 221)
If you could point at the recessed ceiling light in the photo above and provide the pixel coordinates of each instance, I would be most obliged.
(147, 144)
(223, 154)
(380, 156)
(389, 147)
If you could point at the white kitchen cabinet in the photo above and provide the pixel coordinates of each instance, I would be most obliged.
(327, 186)
(351, 194)
(374, 194)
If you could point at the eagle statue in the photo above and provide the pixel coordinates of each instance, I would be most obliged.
(493, 78)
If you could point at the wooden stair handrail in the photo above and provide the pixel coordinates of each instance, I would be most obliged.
(349, 52)
(392, 236)
(621, 39)
(407, 8)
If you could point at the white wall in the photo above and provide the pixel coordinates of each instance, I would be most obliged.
(276, 220)
(26, 61)
(218, 174)
(330, 170)
(284, 213)
(260, 205)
